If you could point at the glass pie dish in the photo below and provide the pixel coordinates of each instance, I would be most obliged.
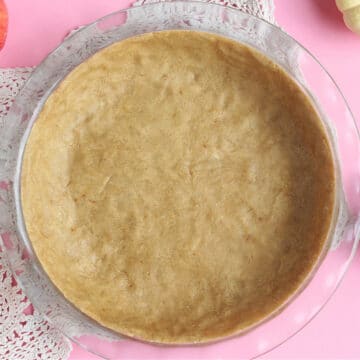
(283, 50)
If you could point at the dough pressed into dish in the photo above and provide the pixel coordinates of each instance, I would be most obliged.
(178, 187)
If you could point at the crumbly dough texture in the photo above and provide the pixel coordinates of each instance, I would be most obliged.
(178, 187)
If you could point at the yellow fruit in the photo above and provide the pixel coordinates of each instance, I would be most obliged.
(351, 13)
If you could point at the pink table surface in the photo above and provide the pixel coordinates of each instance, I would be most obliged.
(37, 26)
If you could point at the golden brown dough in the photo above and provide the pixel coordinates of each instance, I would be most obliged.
(178, 187)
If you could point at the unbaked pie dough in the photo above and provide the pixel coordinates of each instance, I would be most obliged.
(178, 187)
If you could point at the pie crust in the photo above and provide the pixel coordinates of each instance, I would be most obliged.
(178, 187)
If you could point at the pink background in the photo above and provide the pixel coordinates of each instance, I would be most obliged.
(37, 26)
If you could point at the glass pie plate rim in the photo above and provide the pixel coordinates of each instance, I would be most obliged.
(21, 142)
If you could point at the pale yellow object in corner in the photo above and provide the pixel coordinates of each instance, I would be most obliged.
(351, 13)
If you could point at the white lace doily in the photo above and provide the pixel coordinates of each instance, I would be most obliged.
(263, 9)
(24, 333)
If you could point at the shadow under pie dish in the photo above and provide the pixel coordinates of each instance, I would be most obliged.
(178, 187)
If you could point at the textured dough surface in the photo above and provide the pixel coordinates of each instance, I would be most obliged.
(178, 187)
